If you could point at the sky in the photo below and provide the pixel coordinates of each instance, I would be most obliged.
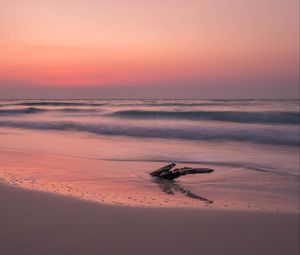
(142, 48)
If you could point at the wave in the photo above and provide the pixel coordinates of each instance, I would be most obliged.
(211, 102)
(118, 104)
(240, 117)
(30, 110)
(167, 104)
(121, 104)
(74, 110)
(240, 134)
(152, 102)
(33, 110)
(56, 103)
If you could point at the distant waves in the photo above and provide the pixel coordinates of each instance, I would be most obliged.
(57, 103)
(270, 117)
(255, 121)
(34, 110)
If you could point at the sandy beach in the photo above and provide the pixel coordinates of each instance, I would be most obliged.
(41, 223)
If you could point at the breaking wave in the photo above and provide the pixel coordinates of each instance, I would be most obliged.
(230, 116)
(261, 136)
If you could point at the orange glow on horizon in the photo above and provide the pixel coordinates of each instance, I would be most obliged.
(92, 43)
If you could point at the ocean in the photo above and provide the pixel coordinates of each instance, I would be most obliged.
(262, 134)
(259, 136)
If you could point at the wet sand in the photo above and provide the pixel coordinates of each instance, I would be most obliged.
(129, 183)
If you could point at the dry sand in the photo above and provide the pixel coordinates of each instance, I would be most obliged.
(37, 223)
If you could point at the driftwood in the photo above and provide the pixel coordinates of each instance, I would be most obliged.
(164, 178)
(167, 172)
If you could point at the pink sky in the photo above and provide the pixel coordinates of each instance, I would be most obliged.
(88, 43)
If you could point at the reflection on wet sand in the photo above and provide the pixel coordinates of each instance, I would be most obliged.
(170, 187)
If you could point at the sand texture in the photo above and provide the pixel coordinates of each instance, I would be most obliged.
(35, 223)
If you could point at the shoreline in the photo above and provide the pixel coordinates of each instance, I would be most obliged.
(129, 206)
(129, 183)
(51, 224)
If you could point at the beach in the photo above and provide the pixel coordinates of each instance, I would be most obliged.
(149, 127)
(43, 223)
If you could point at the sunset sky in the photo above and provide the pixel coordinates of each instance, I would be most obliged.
(142, 48)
